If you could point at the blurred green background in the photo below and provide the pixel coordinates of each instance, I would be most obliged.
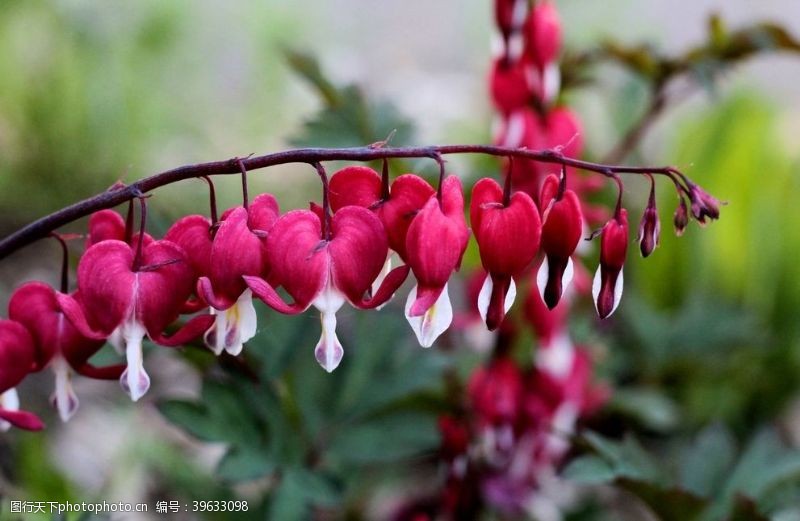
(92, 93)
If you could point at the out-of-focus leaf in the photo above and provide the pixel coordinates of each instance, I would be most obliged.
(348, 118)
(298, 490)
(242, 463)
(707, 463)
(385, 439)
(589, 470)
(648, 407)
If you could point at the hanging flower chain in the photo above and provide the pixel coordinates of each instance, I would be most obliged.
(131, 284)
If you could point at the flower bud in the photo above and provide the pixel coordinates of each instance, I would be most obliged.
(703, 205)
(681, 218)
(607, 286)
(649, 230)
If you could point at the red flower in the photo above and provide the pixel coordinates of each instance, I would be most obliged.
(561, 231)
(436, 241)
(117, 297)
(57, 343)
(543, 34)
(17, 359)
(508, 236)
(107, 225)
(607, 285)
(508, 84)
(238, 249)
(495, 392)
(325, 271)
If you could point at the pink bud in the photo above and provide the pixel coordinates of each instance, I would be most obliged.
(681, 217)
(607, 286)
(649, 231)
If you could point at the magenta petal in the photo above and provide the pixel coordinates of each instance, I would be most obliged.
(426, 297)
(192, 233)
(161, 292)
(270, 297)
(298, 258)
(17, 353)
(206, 292)
(188, 332)
(358, 251)
(390, 284)
(22, 419)
(409, 193)
(355, 186)
(236, 251)
(105, 225)
(106, 284)
(263, 212)
(74, 313)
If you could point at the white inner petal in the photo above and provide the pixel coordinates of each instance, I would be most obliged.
(9, 401)
(566, 279)
(596, 284)
(552, 83)
(485, 296)
(434, 322)
(233, 326)
(387, 267)
(63, 398)
(557, 356)
(117, 342)
(515, 130)
(329, 351)
(134, 380)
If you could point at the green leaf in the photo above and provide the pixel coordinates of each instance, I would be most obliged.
(385, 439)
(244, 463)
(707, 463)
(589, 470)
(651, 408)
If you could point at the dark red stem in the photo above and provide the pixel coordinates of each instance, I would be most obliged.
(326, 204)
(212, 198)
(137, 260)
(64, 262)
(243, 171)
(118, 195)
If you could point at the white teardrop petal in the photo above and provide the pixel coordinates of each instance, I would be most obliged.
(596, 282)
(541, 277)
(485, 296)
(329, 351)
(134, 379)
(511, 295)
(434, 322)
(63, 398)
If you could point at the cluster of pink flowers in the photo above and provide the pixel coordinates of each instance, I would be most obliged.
(503, 449)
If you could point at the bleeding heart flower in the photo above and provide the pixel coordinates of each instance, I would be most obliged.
(561, 231)
(194, 234)
(327, 271)
(508, 236)
(607, 285)
(119, 297)
(435, 244)
(17, 359)
(238, 249)
(57, 343)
